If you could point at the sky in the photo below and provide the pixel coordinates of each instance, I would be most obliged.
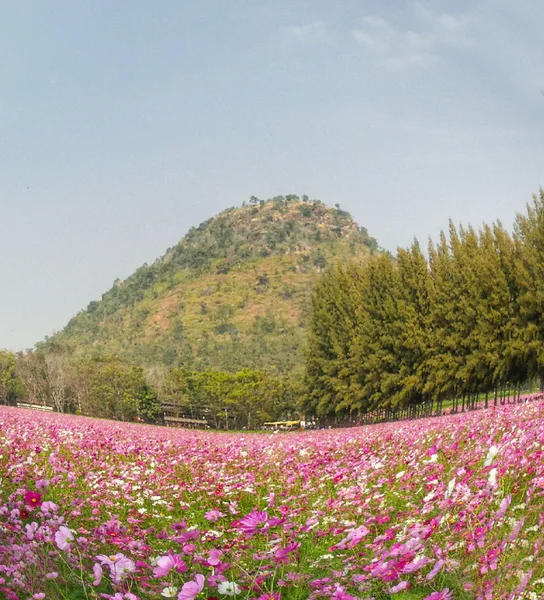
(122, 124)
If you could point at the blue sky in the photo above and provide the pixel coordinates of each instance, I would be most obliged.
(122, 124)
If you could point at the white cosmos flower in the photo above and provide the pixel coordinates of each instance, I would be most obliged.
(451, 487)
(493, 451)
(492, 480)
(228, 588)
(169, 592)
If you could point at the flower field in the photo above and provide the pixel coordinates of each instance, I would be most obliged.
(433, 509)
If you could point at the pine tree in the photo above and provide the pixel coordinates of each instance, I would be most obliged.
(529, 235)
(374, 353)
(414, 314)
(330, 329)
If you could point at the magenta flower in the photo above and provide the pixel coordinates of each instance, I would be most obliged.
(191, 589)
(256, 521)
(33, 498)
(282, 554)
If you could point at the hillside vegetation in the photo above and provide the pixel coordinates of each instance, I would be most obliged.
(233, 294)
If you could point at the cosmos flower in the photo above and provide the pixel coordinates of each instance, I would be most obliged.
(63, 537)
(256, 521)
(191, 589)
(445, 594)
(97, 570)
(492, 452)
(228, 588)
(492, 479)
(214, 515)
(33, 498)
(214, 558)
(166, 563)
(119, 565)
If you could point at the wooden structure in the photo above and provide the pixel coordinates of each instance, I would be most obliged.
(185, 422)
(35, 406)
(175, 416)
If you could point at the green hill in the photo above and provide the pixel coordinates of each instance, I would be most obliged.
(232, 294)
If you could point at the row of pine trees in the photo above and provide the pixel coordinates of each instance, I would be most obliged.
(464, 319)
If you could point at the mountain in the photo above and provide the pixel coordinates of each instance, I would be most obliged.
(232, 294)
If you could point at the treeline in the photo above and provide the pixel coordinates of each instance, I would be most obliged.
(247, 398)
(112, 389)
(106, 388)
(467, 318)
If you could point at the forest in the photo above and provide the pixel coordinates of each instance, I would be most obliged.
(113, 389)
(465, 319)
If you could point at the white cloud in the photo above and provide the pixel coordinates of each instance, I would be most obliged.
(397, 47)
(310, 32)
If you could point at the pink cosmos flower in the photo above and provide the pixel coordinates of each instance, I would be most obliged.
(215, 558)
(120, 566)
(415, 565)
(353, 538)
(191, 589)
(435, 570)
(33, 498)
(504, 507)
(252, 522)
(63, 537)
(214, 515)
(166, 563)
(403, 585)
(282, 554)
(97, 570)
(445, 594)
(256, 521)
(49, 508)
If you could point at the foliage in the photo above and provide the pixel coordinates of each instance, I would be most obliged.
(200, 305)
(247, 398)
(112, 389)
(11, 387)
(106, 387)
(393, 332)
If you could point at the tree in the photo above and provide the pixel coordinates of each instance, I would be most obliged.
(11, 387)
(529, 236)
